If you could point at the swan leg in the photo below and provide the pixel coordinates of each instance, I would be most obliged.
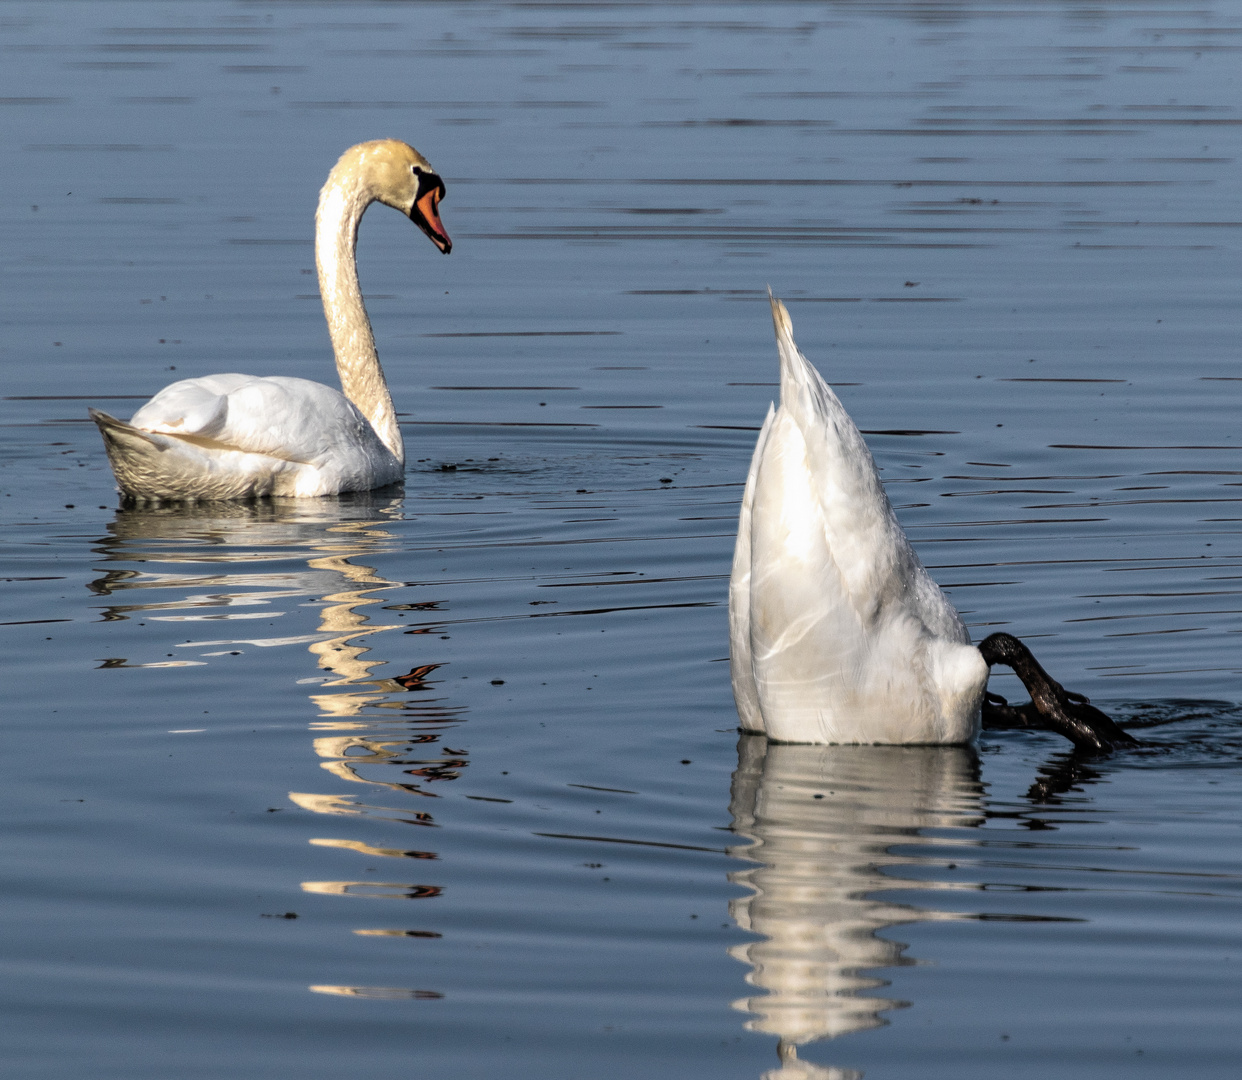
(1052, 707)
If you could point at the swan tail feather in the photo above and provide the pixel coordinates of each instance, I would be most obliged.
(137, 458)
(134, 455)
(119, 431)
(741, 665)
(150, 466)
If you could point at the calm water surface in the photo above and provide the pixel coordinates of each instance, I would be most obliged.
(477, 736)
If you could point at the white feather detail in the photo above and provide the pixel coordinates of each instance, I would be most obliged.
(838, 634)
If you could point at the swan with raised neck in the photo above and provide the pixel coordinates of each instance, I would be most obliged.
(366, 173)
(238, 436)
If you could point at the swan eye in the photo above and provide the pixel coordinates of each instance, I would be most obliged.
(427, 181)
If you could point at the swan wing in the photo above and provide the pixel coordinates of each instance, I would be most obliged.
(740, 667)
(290, 419)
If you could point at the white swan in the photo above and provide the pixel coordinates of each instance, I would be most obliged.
(240, 436)
(837, 632)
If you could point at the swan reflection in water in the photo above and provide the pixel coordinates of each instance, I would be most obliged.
(253, 544)
(225, 564)
(822, 822)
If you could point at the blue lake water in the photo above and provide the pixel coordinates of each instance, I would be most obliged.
(528, 841)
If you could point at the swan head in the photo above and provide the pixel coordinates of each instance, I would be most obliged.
(394, 173)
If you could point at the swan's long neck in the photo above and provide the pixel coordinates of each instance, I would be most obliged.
(341, 205)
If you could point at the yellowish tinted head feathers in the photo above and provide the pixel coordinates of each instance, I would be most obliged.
(386, 170)
(394, 173)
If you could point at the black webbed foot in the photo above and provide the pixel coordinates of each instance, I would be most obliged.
(1052, 707)
(998, 714)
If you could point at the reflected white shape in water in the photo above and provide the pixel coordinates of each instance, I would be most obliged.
(263, 643)
(330, 531)
(325, 804)
(325, 537)
(339, 746)
(369, 932)
(344, 764)
(378, 993)
(217, 618)
(159, 663)
(372, 890)
(792, 1068)
(343, 804)
(369, 849)
(822, 821)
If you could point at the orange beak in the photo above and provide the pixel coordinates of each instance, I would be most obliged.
(425, 214)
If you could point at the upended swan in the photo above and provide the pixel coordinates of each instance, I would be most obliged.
(837, 632)
(241, 436)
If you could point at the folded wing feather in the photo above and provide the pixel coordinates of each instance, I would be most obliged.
(278, 416)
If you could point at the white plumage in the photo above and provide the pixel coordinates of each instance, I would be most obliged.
(238, 436)
(241, 436)
(837, 632)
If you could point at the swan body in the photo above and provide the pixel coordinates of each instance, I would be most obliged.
(241, 436)
(837, 632)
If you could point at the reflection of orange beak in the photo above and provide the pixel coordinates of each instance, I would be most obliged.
(426, 216)
(416, 678)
